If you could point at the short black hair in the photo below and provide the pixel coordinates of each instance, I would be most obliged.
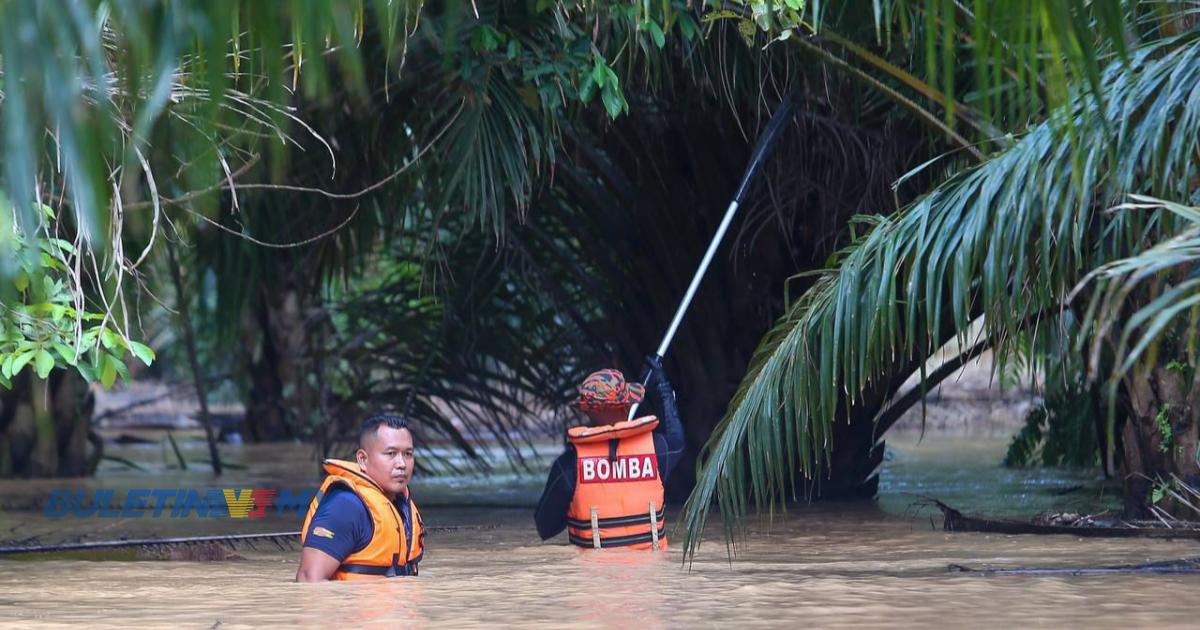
(372, 424)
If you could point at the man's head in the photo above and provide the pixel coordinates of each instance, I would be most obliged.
(606, 398)
(385, 452)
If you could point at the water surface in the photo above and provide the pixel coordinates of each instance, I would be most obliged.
(834, 565)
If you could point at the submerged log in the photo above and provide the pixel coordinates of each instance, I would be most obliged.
(956, 521)
(1182, 565)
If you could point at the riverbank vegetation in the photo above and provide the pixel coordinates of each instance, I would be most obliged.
(455, 210)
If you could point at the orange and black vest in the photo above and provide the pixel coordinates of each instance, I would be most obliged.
(390, 553)
(618, 498)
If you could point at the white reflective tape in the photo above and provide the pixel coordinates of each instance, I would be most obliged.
(595, 529)
(653, 526)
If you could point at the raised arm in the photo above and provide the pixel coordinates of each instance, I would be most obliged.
(670, 426)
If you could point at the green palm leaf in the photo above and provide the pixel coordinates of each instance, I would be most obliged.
(1007, 241)
(1119, 279)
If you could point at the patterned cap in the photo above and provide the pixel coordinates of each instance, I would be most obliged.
(607, 389)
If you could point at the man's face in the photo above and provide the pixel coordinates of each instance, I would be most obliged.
(387, 458)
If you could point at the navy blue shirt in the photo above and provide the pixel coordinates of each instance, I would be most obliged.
(551, 514)
(346, 523)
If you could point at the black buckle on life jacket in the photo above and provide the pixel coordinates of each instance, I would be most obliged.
(612, 450)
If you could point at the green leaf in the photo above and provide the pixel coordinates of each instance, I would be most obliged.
(599, 71)
(19, 362)
(142, 351)
(656, 33)
(44, 363)
(86, 371)
(688, 27)
(88, 340)
(21, 281)
(66, 352)
(108, 370)
(611, 78)
(62, 244)
(111, 340)
(122, 369)
(486, 39)
(587, 91)
(612, 100)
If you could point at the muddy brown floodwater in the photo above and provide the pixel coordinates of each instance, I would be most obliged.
(879, 564)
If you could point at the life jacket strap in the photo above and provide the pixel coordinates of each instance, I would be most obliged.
(403, 570)
(653, 526)
(369, 569)
(411, 567)
(595, 528)
(617, 541)
(619, 521)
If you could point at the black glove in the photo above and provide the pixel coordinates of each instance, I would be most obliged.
(652, 372)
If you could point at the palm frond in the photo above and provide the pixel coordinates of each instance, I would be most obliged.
(1007, 240)
(1173, 259)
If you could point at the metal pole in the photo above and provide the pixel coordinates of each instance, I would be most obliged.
(695, 284)
(781, 116)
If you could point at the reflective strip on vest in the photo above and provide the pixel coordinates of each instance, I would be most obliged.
(617, 521)
(618, 541)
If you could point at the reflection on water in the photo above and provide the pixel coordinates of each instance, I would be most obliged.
(966, 473)
(825, 565)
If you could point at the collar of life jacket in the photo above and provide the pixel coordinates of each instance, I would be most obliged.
(585, 435)
(338, 466)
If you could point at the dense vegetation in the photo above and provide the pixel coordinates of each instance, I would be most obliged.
(458, 208)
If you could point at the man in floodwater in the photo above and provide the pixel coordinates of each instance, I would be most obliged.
(607, 488)
(363, 523)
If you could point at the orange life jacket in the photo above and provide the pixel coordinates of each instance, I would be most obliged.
(389, 554)
(618, 498)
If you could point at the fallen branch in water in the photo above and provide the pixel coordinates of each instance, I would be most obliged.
(956, 521)
(280, 539)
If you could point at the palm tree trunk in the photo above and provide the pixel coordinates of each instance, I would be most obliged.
(1160, 440)
(279, 390)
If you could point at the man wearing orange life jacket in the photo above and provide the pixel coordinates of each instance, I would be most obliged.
(606, 490)
(362, 523)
